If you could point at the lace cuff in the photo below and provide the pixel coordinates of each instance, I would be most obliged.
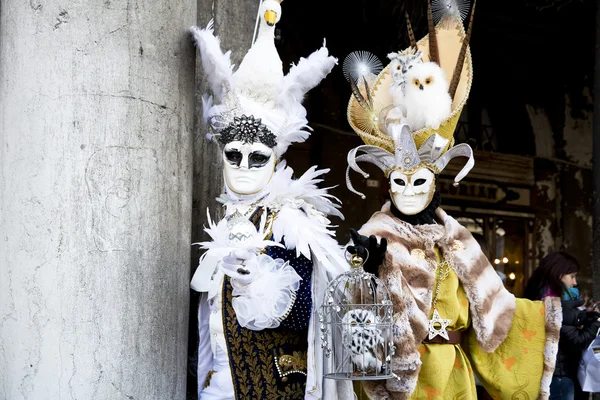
(269, 298)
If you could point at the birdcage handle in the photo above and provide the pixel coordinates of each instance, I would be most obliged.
(354, 259)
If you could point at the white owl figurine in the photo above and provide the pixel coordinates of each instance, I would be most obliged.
(426, 96)
(400, 64)
(361, 337)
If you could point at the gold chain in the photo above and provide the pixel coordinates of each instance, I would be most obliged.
(269, 224)
(443, 270)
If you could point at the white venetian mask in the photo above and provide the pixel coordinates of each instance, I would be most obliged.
(412, 193)
(247, 167)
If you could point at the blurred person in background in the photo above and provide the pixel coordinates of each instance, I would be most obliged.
(557, 277)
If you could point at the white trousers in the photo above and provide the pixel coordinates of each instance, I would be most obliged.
(221, 385)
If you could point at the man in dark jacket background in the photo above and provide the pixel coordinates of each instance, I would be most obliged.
(579, 328)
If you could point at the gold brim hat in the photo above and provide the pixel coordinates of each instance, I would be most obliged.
(371, 101)
(366, 124)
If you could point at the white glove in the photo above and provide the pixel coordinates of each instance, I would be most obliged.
(236, 266)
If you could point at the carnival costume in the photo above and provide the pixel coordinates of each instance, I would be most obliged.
(264, 272)
(452, 314)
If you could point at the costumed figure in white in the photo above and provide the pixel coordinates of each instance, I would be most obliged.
(453, 318)
(271, 257)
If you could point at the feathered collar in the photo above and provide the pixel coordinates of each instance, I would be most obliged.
(302, 193)
(301, 222)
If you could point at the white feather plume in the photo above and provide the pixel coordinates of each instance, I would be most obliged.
(294, 128)
(207, 107)
(283, 189)
(217, 232)
(305, 75)
(217, 65)
(302, 221)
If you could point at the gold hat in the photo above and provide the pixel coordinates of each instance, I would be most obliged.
(452, 46)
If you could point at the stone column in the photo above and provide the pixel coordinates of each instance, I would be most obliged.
(96, 106)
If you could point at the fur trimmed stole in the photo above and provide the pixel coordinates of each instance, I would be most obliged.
(410, 280)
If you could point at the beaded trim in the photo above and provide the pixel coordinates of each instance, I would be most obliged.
(283, 375)
(289, 310)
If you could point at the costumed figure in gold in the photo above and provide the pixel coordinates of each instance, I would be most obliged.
(453, 318)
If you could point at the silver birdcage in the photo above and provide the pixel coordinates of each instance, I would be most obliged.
(356, 326)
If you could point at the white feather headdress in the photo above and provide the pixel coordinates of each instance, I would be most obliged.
(258, 89)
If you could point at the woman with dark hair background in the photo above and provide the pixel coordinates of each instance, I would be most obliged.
(557, 277)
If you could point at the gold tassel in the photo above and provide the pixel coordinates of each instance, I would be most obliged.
(411, 34)
(434, 55)
(461, 57)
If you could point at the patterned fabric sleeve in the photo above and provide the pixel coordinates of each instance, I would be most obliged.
(523, 364)
(299, 315)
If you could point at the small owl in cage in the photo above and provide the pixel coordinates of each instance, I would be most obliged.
(361, 338)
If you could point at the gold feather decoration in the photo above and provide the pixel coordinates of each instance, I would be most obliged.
(434, 54)
(359, 97)
(368, 92)
(365, 116)
(461, 56)
(411, 34)
(361, 68)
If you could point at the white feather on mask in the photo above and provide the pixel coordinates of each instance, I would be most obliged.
(426, 96)
(217, 65)
(293, 129)
(275, 100)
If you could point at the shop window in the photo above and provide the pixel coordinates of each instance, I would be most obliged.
(509, 241)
